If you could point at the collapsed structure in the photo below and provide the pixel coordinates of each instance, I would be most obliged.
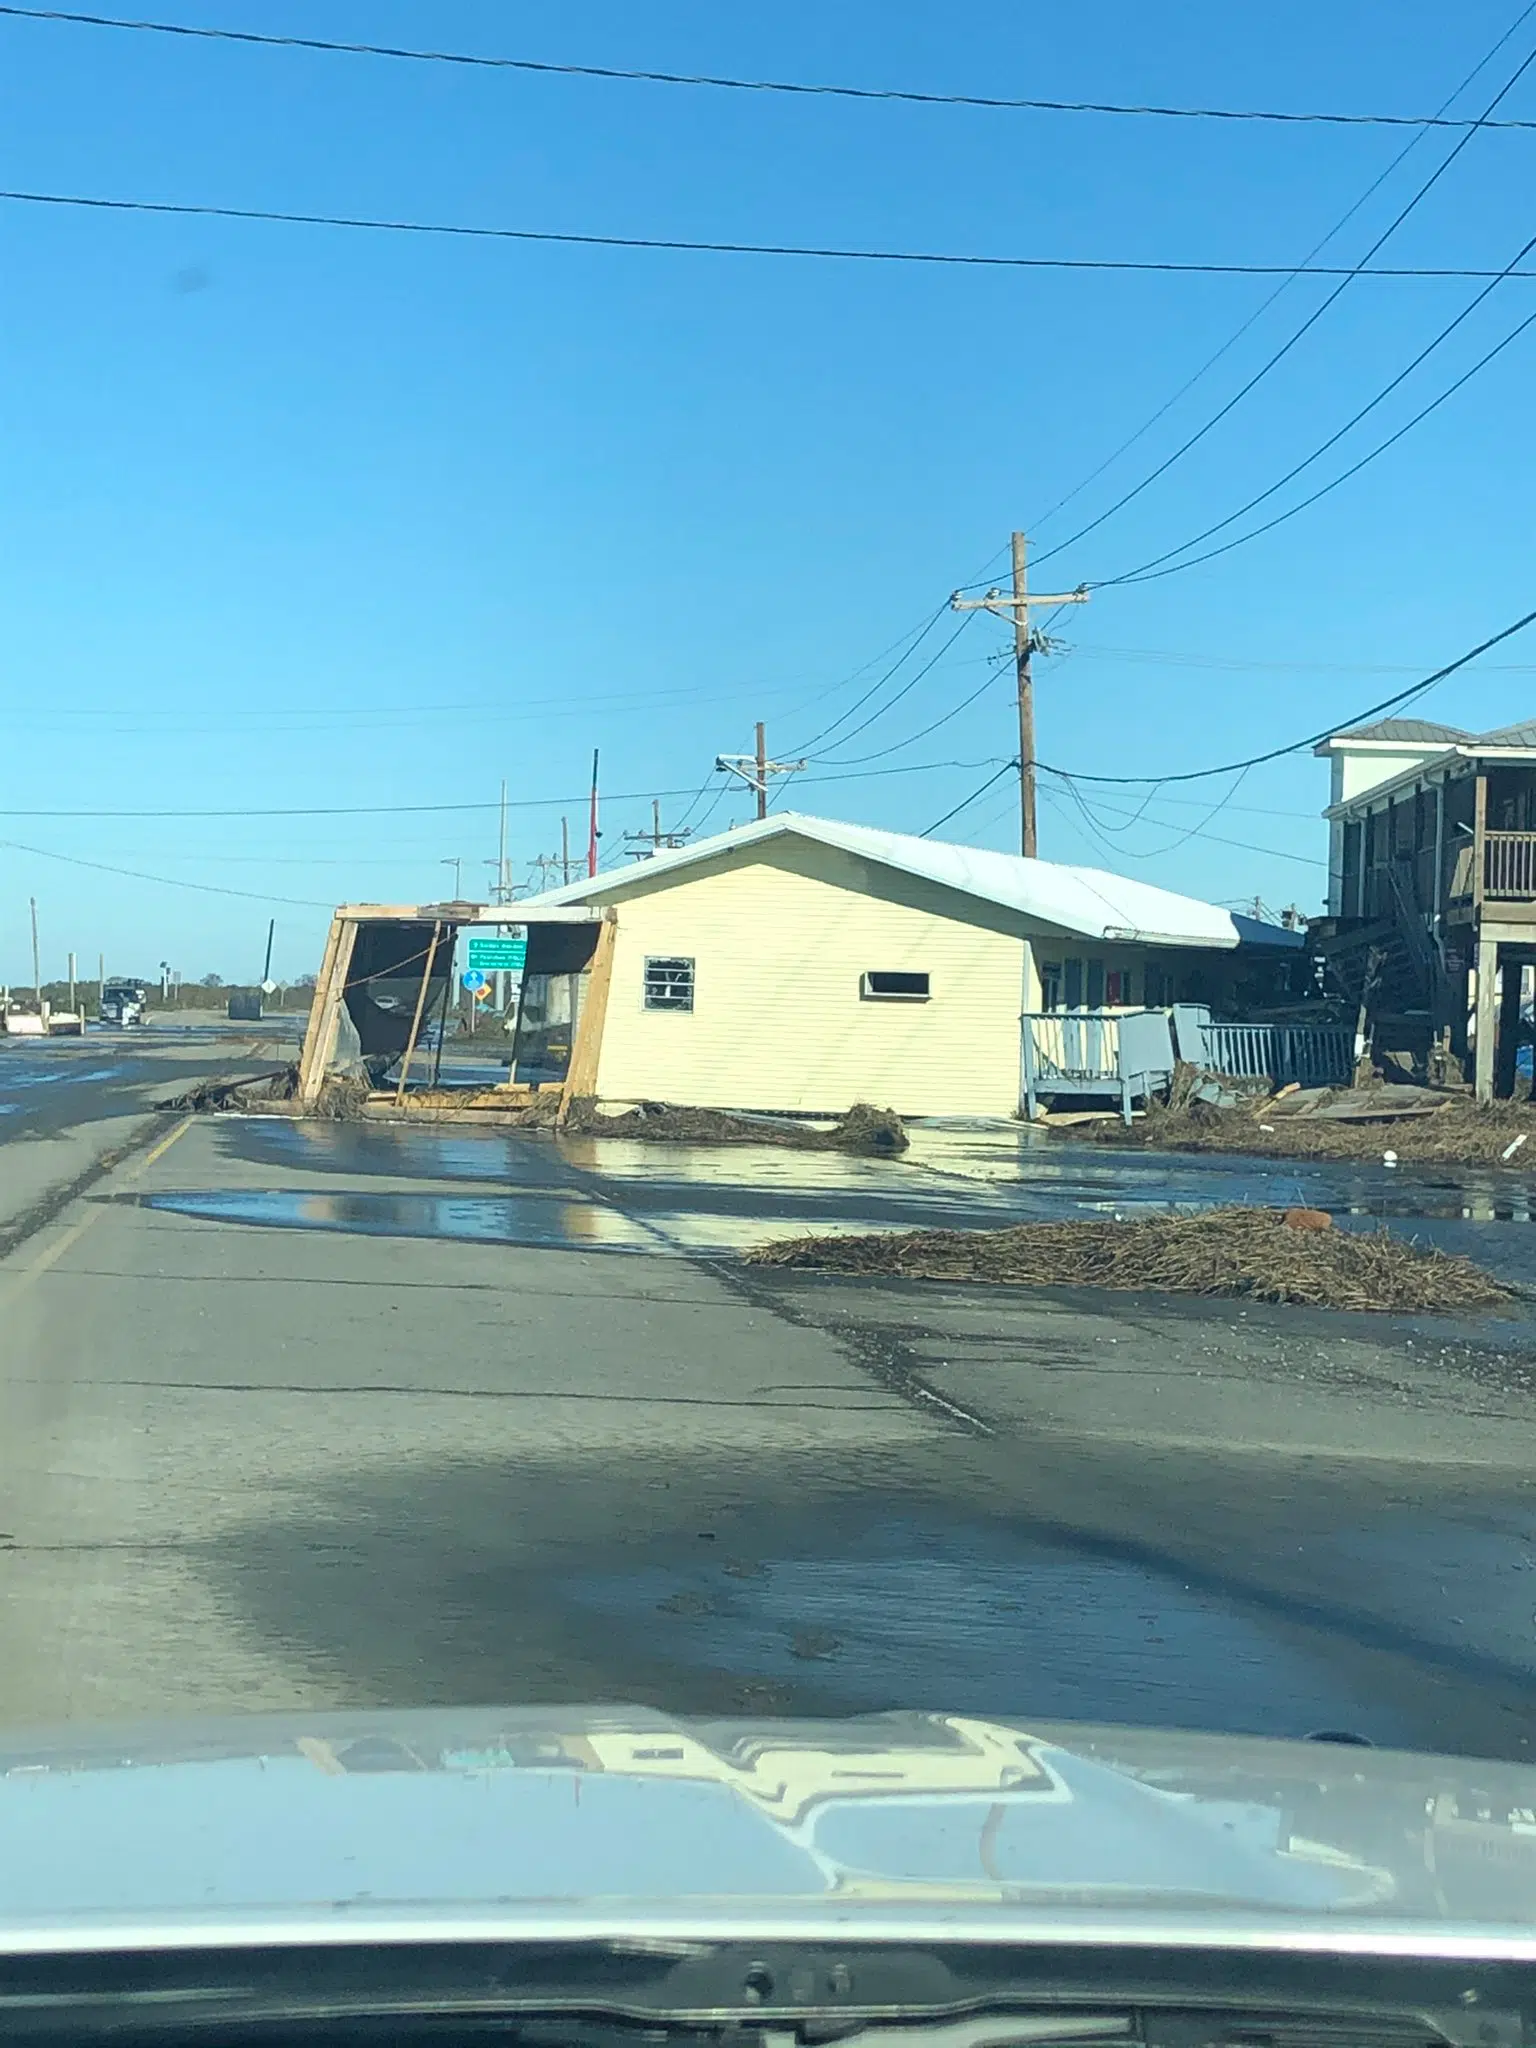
(801, 965)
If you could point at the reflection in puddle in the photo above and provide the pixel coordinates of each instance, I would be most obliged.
(532, 1189)
(988, 1623)
(471, 1219)
(14, 1077)
(558, 1222)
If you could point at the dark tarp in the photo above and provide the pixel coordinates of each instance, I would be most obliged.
(384, 982)
(553, 985)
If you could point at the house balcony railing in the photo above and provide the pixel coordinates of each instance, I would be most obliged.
(1508, 870)
(1509, 866)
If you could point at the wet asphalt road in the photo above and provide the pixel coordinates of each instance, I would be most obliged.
(333, 1415)
(53, 1085)
(56, 1084)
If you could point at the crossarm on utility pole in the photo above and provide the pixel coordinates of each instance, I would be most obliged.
(1023, 647)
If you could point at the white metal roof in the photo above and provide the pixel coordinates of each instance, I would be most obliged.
(1087, 902)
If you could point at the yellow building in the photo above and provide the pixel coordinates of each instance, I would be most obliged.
(803, 964)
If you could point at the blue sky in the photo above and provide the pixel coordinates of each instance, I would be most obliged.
(298, 518)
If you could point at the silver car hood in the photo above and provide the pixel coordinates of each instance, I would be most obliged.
(562, 1824)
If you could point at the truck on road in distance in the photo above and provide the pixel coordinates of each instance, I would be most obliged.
(122, 1002)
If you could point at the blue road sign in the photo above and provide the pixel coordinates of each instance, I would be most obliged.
(473, 980)
(499, 955)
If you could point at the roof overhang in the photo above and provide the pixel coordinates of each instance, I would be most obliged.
(966, 874)
(470, 913)
(1341, 743)
(1436, 762)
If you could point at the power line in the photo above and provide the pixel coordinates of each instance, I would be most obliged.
(698, 799)
(857, 760)
(1233, 664)
(540, 803)
(1184, 834)
(856, 675)
(966, 802)
(1150, 573)
(1284, 286)
(1216, 839)
(897, 94)
(949, 258)
(715, 802)
(1331, 299)
(163, 881)
(909, 645)
(1313, 739)
(909, 685)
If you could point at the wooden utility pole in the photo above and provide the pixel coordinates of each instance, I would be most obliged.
(421, 1004)
(1022, 648)
(37, 972)
(755, 769)
(641, 845)
(1025, 643)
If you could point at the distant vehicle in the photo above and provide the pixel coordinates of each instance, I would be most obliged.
(122, 1002)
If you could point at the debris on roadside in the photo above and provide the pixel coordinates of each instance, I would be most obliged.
(874, 1133)
(482, 1108)
(242, 1091)
(1241, 1254)
(1426, 1125)
(342, 1099)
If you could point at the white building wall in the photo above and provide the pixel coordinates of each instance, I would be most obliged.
(1355, 773)
(779, 945)
(780, 939)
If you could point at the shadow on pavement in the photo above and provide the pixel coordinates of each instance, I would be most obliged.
(957, 1583)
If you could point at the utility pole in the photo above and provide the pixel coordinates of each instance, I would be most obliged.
(642, 845)
(565, 849)
(501, 895)
(502, 890)
(37, 972)
(756, 770)
(455, 862)
(101, 982)
(1026, 641)
(72, 982)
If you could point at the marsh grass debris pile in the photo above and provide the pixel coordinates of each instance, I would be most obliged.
(876, 1133)
(1242, 1254)
(1459, 1131)
(342, 1098)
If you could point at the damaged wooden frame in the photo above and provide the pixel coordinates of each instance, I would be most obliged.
(390, 969)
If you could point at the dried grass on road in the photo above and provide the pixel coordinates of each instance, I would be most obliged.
(1461, 1133)
(878, 1133)
(1243, 1254)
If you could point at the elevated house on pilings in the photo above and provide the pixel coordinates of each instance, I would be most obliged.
(1432, 888)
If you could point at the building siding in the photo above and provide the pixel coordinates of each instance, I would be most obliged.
(780, 943)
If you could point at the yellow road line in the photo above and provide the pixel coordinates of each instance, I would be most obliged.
(50, 1255)
(159, 1151)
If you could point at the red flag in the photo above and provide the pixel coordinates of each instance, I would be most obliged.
(592, 831)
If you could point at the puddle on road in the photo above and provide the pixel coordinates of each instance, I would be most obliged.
(64, 1071)
(705, 1198)
(469, 1219)
(400, 1152)
(535, 1222)
(989, 1623)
